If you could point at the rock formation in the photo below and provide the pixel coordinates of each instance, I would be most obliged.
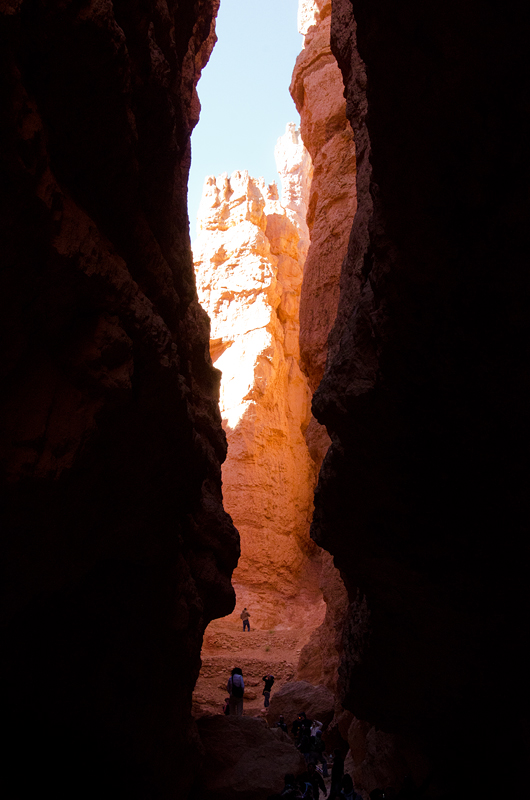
(316, 701)
(422, 498)
(116, 550)
(249, 265)
(244, 760)
(318, 91)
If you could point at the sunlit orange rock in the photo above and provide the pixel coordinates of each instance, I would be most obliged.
(317, 89)
(249, 264)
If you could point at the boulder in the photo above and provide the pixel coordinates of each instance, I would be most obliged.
(317, 702)
(243, 759)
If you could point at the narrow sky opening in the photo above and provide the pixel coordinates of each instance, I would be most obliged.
(244, 93)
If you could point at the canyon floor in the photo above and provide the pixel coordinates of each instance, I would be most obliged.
(257, 652)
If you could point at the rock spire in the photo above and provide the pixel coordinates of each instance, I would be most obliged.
(249, 266)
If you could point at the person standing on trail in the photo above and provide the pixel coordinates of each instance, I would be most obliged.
(236, 690)
(269, 680)
(244, 616)
(315, 779)
(337, 774)
(318, 754)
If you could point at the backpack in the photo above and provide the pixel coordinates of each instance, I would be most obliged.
(237, 686)
(308, 792)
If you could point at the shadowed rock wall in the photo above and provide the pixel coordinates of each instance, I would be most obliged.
(116, 551)
(423, 498)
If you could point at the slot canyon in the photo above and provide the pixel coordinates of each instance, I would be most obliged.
(322, 410)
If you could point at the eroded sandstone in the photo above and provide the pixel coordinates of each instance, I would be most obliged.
(249, 265)
(318, 91)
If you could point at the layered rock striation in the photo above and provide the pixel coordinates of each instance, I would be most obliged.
(116, 550)
(422, 496)
(249, 266)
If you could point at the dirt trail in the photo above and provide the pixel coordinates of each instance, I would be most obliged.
(257, 652)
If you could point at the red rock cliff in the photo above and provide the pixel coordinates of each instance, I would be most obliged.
(318, 91)
(422, 498)
(116, 550)
(249, 259)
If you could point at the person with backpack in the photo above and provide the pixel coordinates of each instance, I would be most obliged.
(236, 690)
(301, 725)
(269, 680)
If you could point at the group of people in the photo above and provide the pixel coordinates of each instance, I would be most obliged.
(236, 690)
(308, 739)
(310, 784)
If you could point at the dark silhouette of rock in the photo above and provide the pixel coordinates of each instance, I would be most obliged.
(422, 498)
(116, 551)
(316, 701)
(243, 759)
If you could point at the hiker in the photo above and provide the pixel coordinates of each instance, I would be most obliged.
(236, 690)
(315, 779)
(304, 745)
(289, 789)
(300, 724)
(269, 680)
(318, 754)
(226, 706)
(305, 788)
(337, 773)
(348, 792)
(282, 724)
(316, 726)
(244, 616)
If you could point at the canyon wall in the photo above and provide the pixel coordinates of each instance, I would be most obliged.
(318, 92)
(116, 551)
(422, 498)
(249, 258)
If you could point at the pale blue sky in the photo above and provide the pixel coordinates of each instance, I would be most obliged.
(244, 93)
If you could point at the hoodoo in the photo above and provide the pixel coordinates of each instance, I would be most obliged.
(116, 549)
(249, 259)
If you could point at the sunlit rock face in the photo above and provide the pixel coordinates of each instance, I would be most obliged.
(423, 496)
(318, 91)
(116, 551)
(249, 273)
